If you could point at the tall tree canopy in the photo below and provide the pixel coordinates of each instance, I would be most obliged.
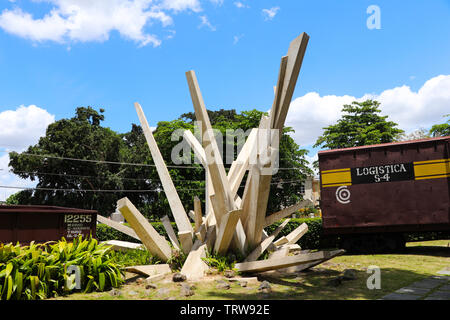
(360, 125)
(65, 182)
(59, 180)
(440, 130)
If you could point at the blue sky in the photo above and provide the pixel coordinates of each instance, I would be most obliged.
(61, 54)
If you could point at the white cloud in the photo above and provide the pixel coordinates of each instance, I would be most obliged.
(9, 179)
(237, 38)
(22, 127)
(171, 34)
(217, 2)
(310, 113)
(182, 5)
(240, 5)
(269, 14)
(19, 129)
(205, 22)
(86, 20)
(409, 109)
(51, 27)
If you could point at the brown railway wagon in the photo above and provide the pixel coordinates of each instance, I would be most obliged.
(24, 224)
(386, 188)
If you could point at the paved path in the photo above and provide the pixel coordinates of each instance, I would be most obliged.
(433, 288)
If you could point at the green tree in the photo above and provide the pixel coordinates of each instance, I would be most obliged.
(441, 130)
(360, 125)
(13, 199)
(63, 182)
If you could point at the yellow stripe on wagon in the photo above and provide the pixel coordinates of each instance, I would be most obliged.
(432, 169)
(335, 178)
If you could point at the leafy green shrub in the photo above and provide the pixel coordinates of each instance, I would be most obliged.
(221, 263)
(39, 271)
(133, 257)
(177, 260)
(305, 212)
(105, 233)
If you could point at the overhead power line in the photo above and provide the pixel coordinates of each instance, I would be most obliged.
(98, 177)
(87, 176)
(294, 182)
(106, 162)
(93, 190)
(122, 163)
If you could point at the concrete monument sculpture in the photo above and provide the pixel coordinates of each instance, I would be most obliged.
(230, 222)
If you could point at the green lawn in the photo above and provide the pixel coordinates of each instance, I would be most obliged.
(420, 260)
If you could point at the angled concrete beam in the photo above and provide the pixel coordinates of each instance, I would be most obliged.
(301, 267)
(196, 147)
(170, 232)
(155, 244)
(256, 192)
(150, 270)
(217, 205)
(239, 241)
(118, 226)
(278, 89)
(226, 231)
(209, 212)
(295, 56)
(284, 262)
(263, 198)
(294, 236)
(179, 214)
(214, 160)
(241, 164)
(281, 252)
(201, 233)
(251, 206)
(198, 217)
(299, 232)
(210, 237)
(210, 220)
(259, 250)
(191, 215)
(200, 154)
(264, 236)
(194, 267)
(244, 203)
(186, 241)
(277, 216)
(118, 245)
(283, 240)
(293, 247)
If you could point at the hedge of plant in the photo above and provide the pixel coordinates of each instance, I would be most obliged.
(39, 271)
